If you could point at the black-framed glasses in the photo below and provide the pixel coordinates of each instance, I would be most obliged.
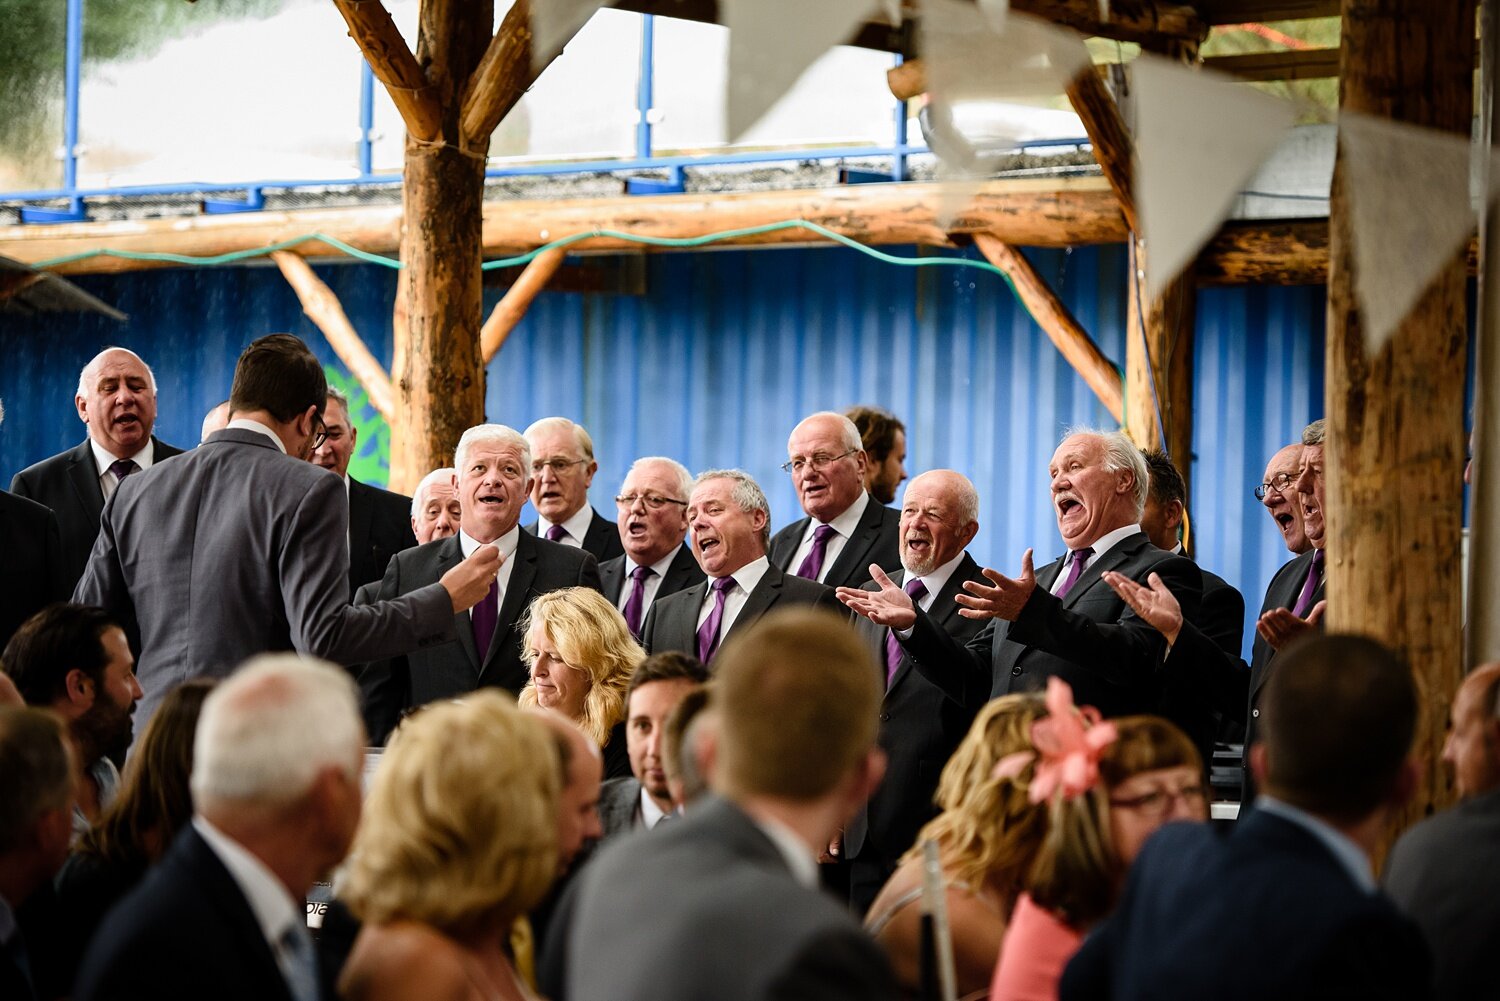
(817, 461)
(1277, 484)
(558, 466)
(1159, 802)
(653, 501)
(321, 434)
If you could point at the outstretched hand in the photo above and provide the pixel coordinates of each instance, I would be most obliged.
(889, 606)
(1279, 626)
(1157, 606)
(1003, 601)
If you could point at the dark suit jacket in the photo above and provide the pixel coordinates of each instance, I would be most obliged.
(1198, 695)
(185, 932)
(707, 908)
(682, 572)
(1091, 639)
(379, 528)
(672, 623)
(602, 537)
(926, 712)
(874, 540)
(1302, 928)
(68, 483)
(442, 671)
(34, 574)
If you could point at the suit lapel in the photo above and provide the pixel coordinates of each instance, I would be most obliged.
(218, 887)
(517, 593)
(682, 633)
(866, 533)
(784, 546)
(759, 601)
(84, 475)
(449, 555)
(1117, 555)
(612, 578)
(681, 572)
(360, 514)
(942, 611)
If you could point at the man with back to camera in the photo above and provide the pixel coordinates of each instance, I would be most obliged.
(884, 440)
(562, 469)
(653, 525)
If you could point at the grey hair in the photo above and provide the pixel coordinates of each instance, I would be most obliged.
(847, 430)
(341, 398)
(679, 473)
(747, 494)
(94, 363)
(1120, 453)
(1314, 433)
(580, 434)
(426, 483)
(496, 434)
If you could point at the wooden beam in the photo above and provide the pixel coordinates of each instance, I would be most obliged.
(1159, 364)
(1216, 12)
(1284, 64)
(908, 80)
(1293, 252)
(1058, 323)
(517, 300)
(1113, 147)
(322, 307)
(504, 74)
(370, 25)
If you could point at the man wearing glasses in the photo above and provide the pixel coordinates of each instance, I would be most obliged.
(653, 523)
(562, 468)
(1278, 492)
(845, 529)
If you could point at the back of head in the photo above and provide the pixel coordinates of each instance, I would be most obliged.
(278, 374)
(1337, 718)
(36, 773)
(877, 429)
(797, 695)
(268, 732)
(460, 829)
(1166, 481)
(679, 756)
(53, 642)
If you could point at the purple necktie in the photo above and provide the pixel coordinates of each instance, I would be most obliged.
(708, 633)
(813, 564)
(482, 616)
(123, 468)
(556, 533)
(1080, 557)
(1309, 586)
(637, 600)
(917, 590)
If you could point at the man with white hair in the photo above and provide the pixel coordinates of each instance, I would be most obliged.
(653, 523)
(494, 480)
(562, 470)
(434, 506)
(845, 529)
(276, 794)
(116, 400)
(1063, 620)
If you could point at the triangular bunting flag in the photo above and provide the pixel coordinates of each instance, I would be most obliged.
(554, 23)
(983, 51)
(1199, 137)
(773, 42)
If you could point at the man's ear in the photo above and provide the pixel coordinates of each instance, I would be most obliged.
(79, 686)
(1258, 767)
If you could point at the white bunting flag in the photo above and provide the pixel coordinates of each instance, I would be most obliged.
(773, 42)
(554, 23)
(1199, 138)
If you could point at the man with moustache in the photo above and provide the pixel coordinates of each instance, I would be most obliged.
(435, 513)
(884, 440)
(845, 529)
(927, 708)
(116, 400)
(563, 468)
(653, 524)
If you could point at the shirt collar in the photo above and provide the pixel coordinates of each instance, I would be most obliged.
(792, 848)
(103, 459)
(506, 543)
(269, 901)
(577, 526)
(660, 567)
(938, 579)
(1348, 854)
(747, 576)
(650, 812)
(246, 424)
(846, 523)
(1110, 540)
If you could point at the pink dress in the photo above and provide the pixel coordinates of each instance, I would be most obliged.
(1036, 948)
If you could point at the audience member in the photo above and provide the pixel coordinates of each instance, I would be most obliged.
(116, 400)
(435, 511)
(1286, 905)
(459, 840)
(643, 799)
(845, 529)
(276, 791)
(884, 439)
(926, 711)
(729, 516)
(216, 419)
(485, 643)
(686, 754)
(237, 548)
(1444, 873)
(33, 577)
(379, 525)
(563, 468)
(74, 660)
(987, 835)
(724, 903)
(1278, 494)
(653, 524)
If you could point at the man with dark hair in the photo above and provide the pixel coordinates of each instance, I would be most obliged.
(74, 660)
(683, 747)
(1293, 879)
(236, 548)
(643, 798)
(884, 438)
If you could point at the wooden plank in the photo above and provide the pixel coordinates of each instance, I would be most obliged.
(504, 74)
(1286, 64)
(1113, 147)
(1244, 11)
(370, 26)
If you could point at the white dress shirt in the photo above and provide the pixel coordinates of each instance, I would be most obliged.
(651, 814)
(843, 527)
(933, 582)
(652, 582)
(575, 527)
(745, 579)
(507, 545)
(1102, 545)
(103, 460)
(246, 424)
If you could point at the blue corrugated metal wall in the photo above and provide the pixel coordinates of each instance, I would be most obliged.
(726, 350)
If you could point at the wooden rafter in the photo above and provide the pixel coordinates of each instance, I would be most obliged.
(1112, 144)
(1283, 64)
(517, 300)
(370, 25)
(1240, 11)
(503, 75)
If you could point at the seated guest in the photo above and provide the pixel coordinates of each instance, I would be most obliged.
(1148, 775)
(656, 687)
(682, 748)
(276, 776)
(581, 658)
(459, 840)
(435, 512)
(74, 660)
(987, 835)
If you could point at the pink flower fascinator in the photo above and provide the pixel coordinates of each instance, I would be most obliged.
(1068, 742)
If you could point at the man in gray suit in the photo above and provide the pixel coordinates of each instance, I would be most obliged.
(724, 903)
(239, 546)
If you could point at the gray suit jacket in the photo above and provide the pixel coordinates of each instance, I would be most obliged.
(874, 540)
(619, 805)
(707, 908)
(672, 623)
(235, 549)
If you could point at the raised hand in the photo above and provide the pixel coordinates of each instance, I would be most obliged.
(890, 606)
(1157, 606)
(1003, 601)
(1279, 626)
(470, 581)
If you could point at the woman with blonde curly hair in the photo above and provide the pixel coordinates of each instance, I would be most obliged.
(458, 840)
(581, 656)
(987, 836)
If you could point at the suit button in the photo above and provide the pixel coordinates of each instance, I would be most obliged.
(885, 717)
(1255, 713)
(1015, 672)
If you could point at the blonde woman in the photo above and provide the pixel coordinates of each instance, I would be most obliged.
(458, 839)
(581, 656)
(987, 836)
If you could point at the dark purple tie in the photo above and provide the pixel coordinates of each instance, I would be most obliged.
(708, 633)
(813, 564)
(917, 590)
(122, 468)
(1080, 557)
(637, 600)
(1309, 586)
(556, 533)
(483, 616)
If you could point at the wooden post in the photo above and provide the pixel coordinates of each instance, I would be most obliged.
(1395, 449)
